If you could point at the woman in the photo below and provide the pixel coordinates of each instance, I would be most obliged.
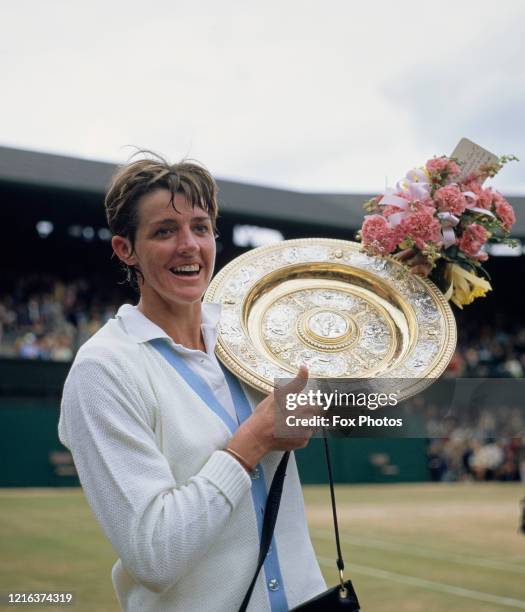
(152, 421)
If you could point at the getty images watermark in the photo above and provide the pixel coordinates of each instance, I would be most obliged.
(381, 408)
(324, 404)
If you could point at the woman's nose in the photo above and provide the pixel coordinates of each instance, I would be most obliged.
(186, 240)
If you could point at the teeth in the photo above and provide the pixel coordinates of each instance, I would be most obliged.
(191, 268)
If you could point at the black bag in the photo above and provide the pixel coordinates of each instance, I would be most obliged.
(334, 599)
(341, 597)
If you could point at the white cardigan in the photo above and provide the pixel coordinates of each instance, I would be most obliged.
(177, 509)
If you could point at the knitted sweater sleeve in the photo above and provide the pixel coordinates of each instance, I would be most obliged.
(158, 527)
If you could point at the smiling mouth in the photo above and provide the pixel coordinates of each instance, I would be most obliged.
(188, 271)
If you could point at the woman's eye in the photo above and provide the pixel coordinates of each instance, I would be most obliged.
(202, 229)
(163, 231)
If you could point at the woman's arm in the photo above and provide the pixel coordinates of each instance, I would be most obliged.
(158, 527)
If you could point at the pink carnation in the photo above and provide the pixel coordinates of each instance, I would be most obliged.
(422, 226)
(442, 165)
(378, 237)
(390, 210)
(473, 238)
(450, 199)
(504, 211)
(485, 198)
(427, 203)
(471, 185)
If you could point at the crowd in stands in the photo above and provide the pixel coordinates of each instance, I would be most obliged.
(490, 446)
(45, 318)
(49, 319)
(493, 348)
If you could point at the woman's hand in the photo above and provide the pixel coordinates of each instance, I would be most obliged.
(417, 263)
(256, 436)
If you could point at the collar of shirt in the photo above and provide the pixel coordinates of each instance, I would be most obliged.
(142, 329)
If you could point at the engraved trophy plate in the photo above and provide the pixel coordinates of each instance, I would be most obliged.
(326, 304)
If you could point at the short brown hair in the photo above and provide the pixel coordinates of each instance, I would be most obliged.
(146, 175)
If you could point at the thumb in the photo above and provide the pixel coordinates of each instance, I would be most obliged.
(299, 382)
(292, 388)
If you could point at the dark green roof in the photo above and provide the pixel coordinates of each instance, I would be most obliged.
(83, 175)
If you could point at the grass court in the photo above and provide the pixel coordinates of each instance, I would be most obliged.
(409, 548)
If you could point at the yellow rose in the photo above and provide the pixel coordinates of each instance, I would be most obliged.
(464, 286)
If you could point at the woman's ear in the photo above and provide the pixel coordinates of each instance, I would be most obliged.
(124, 250)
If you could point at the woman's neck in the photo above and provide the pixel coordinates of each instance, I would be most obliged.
(181, 323)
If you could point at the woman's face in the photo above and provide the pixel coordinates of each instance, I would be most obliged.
(175, 251)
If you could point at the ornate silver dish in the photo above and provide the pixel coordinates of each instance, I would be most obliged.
(327, 304)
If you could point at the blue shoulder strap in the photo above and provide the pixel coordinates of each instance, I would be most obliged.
(200, 386)
(273, 577)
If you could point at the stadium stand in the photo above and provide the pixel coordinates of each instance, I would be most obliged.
(53, 297)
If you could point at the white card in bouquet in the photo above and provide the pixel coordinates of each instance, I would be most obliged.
(473, 156)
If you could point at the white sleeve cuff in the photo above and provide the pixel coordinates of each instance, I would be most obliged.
(228, 475)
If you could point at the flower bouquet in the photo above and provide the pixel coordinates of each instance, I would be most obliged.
(439, 223)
